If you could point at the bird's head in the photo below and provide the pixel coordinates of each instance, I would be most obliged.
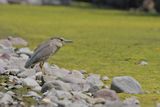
(59, 41)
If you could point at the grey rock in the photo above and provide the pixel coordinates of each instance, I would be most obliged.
(63, 103)
(13, 71)
(57, 84)
(106, 94)
(99, 105)
(93, 89)
(114, 104)
(99, 101)
(78, 96)
(2, 70)
(5, 43)
(6, 99)
(32, 94)
(63, 94)
(79, 103)
(5, 56)
(80, 87)
(126, 84)
(76, 74)
(15, 80)
(3, 65)
(71, 79)
(57, 72)
(27, 73)
(31, 83)
(25, 50)
(48, 78)
(94, 80)
(17, 41)
(16, 63)
(131, 102)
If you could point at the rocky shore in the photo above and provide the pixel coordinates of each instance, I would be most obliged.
(61, 87)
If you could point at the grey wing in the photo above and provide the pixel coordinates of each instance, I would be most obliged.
(42, 45)
(41, 55)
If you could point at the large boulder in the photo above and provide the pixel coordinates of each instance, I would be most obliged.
(126, 84)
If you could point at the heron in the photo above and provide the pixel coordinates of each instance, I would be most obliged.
(44, 51)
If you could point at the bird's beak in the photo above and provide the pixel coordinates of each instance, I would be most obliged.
(68, 41)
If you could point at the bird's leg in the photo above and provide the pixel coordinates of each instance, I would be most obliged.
(43, 72)
(42, 68)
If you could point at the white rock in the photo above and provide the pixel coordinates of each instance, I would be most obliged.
(94, 80)
(31, 83)
(32, 94)
(6, 99)
(105, 78)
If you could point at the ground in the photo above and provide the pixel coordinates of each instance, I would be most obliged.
(107, 42)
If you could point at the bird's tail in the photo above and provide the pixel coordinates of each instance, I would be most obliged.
(29, 64)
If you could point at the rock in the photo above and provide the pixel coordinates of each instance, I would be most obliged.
(94, 80)
(114, 104)
(15, 80)
(27, 73)
(13, 71)
(107, 94)
(57, 84)
(105, 78)
(93, 89)
(5, 56)
(47, 103)
(80, 87)
(99, 101)
(57, 72)
(17, 41)
(16, 63)
(143, 63)
(25, 50)
(2, 70)
(5, 43)
(48, 78)
(3, 66)
(64, 103)
(78, 96)
(25, 53)
(76, 74)
(131, 102)
(158, 105)
(79, 103)
(72, 79)
(31, 83)
(32, 94)
(99, 105)
(6, 99)
(126, 84)
(63, 94)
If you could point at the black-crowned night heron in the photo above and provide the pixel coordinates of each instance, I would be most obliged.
(44, 51)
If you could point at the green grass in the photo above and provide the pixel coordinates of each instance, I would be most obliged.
(107, 42)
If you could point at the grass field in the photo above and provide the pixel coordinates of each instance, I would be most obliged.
(107, 42)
